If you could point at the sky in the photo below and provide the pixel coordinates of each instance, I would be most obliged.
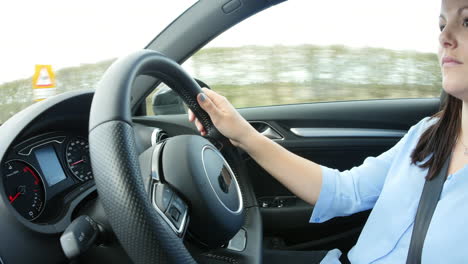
(70, 33)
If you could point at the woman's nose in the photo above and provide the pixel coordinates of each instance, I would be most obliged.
(447, 38)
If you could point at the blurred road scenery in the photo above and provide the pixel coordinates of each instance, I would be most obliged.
(274, 75)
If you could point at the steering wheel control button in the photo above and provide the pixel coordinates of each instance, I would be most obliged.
(177, 209)
(162, 196)
(174, 213)
(179, 204)
(172, 209)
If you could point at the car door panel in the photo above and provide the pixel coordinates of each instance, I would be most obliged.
(338, 135)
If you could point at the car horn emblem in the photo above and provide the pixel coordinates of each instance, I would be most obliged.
(224, 180)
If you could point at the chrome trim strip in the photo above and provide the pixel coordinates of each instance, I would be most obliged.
(179, 231)
(270, 132)
(58, 140)
(154, 136)
(234, 244)
(347, 132)
(155, 162)
(226, 164)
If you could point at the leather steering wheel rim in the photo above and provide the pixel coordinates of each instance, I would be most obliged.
(115, 88)
(141, 231)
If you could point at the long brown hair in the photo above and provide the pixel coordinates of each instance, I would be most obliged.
(440, 138)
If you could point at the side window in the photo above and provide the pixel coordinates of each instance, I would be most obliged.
(289, 54)
(164, 101)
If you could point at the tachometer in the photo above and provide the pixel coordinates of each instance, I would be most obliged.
(78, 161)
(24, 188)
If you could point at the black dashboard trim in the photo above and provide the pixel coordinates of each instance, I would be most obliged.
(18, 127)
(31, 147)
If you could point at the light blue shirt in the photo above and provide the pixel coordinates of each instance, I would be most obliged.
(392, 186)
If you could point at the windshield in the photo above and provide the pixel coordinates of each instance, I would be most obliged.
(51, 46)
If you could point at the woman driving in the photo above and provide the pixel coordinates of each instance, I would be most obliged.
(390, 184)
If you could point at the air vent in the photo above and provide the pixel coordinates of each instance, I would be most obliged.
(158, 136)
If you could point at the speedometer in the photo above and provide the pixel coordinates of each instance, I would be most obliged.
(78, 161)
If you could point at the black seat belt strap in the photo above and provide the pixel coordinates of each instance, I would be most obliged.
(427, 204)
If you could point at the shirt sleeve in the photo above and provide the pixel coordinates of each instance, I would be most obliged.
(355, 190)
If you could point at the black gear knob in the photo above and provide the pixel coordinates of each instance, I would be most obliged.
(79, 236)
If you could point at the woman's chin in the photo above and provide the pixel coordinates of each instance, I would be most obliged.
(457, 90)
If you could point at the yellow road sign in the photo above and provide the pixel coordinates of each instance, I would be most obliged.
(43, 83)
(43, 77)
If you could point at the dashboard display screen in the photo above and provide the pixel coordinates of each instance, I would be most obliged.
(50, 165)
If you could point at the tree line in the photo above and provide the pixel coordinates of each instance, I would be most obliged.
(271, 75)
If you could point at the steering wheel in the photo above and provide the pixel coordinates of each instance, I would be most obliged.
(181, 187)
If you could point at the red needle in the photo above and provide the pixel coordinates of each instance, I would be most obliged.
(12, 199)
(78, 162)
(27, 169)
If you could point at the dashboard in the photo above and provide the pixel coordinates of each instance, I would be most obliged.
(43, 174)
(46, 179)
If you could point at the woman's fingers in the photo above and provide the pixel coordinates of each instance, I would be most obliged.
(213, 104)
(207, 104)
(200, 127)
(191, 116)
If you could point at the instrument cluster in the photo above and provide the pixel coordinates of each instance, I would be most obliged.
(42, 175)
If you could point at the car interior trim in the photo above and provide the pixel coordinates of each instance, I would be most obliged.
(238, 242)
(268, 131)
(157, 136)
(29, 149)
(154, 135)
(271, 134)
(347, 132)
(155, 162)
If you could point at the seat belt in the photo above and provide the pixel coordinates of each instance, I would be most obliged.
(427, 204)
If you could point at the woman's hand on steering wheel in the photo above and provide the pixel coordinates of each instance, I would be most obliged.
(224, 117)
